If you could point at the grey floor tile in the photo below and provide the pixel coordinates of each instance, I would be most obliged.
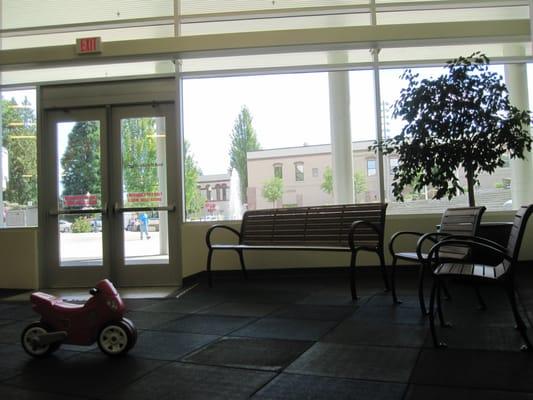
(296, 387)
(292, 329)
(262, 354)
(395, 314)
(206, 324)
(355, 333)
(314, 312)
(189, 381)
(150, 320)
(357, 362)
(496, 370)
(168, 345)
(180, 306)
(241, 309)
(10, 333)
(11, 392)
(417, 392)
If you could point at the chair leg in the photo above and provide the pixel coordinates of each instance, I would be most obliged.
(433, 329)
(443, 323)
(393, 281)
(421, 289)
(208, 268)
(243, 266)
(509, 289)
(482, 305)
(447, 294)
(352, 275)
(383, 270)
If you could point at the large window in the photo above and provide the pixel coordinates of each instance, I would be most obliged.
(18, 159)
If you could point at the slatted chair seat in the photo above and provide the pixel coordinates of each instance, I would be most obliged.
(337, 228)
(501, 274)
(462, 221)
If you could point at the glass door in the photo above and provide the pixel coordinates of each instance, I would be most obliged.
(112, 195)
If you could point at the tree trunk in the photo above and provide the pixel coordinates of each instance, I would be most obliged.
(470, 183)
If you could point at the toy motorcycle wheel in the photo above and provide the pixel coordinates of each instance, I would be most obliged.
(133, 331)
(115, 338)
(30, 340)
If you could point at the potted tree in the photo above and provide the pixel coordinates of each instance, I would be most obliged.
(461, 120)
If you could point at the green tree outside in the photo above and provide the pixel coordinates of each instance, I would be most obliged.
(243, 140)
(273, 190)
(359, 182)
(194, 201)
(81, 160)
(19, 138)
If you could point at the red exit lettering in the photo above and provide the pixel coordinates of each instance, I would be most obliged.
(88, 45)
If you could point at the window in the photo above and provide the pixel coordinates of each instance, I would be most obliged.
(18, 159)
(299, 171)
(314, 172)
(371, 167)
(208, 193)
(278, 171)
(393, 163)
(224, 192)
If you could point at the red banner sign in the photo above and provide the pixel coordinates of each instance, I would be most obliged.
(80, 200)
(142, 197)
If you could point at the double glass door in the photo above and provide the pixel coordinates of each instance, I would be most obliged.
(111, 196)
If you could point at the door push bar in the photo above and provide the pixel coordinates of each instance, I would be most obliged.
(118, 209)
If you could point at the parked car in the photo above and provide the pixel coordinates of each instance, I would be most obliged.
(65, 226)
(96, 225)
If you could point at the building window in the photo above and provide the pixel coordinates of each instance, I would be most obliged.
(208, 192)
(299, 171)
(393, 163)
(224, 192)
(218, 194)
(314, 171)
(371, 167)
(278, 171)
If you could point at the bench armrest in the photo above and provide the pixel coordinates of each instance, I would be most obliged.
(397, 235)
(225, 227)
(467, 241)
(356, 225)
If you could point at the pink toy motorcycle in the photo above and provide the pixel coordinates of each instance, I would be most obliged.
(100, 319)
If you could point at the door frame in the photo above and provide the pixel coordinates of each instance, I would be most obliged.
(109, 96)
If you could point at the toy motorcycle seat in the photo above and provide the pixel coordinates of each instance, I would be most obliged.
(47, 300)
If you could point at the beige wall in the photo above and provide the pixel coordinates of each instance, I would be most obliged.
(18, 249)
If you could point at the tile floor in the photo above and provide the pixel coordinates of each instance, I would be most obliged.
(286, 338)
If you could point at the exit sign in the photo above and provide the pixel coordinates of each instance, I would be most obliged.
(89, 45)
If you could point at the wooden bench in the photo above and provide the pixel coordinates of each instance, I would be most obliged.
(339, 228)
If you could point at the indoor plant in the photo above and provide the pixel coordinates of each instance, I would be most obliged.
(462, 119)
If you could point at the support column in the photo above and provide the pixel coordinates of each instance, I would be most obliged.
(521, 170)
(341, 137)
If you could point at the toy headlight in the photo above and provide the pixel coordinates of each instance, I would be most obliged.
(112, 304)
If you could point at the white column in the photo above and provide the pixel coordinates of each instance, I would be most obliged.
(522, 170)
(341, 137)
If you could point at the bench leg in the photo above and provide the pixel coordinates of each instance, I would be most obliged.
(243, 266)
(383, 270)
(352, 275)
(393, 281)
(208, 268)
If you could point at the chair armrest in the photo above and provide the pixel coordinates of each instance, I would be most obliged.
(224, 227)
(468, 241)
(359, 223)
(479, 239)
(397, 235)
(433, 237)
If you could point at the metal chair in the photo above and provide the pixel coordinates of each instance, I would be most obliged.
(501, 274)
(455, 221)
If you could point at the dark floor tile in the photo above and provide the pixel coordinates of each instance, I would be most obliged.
(206, 324)
(496, 370)
(355, 333)
(479, 337)
(11, 392)
(241, 309)
(139, 304)
(292, 329)
(416, 392)
(150, 320)
(10, 333)
(265, 354)
(180, 306)
(357, 362)
(395, 314)
(296, 387)
(83, 374)
(168, 345)
(332, 298)
(188, 381)
(314, 312)
(385, 300)
(18, 311)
